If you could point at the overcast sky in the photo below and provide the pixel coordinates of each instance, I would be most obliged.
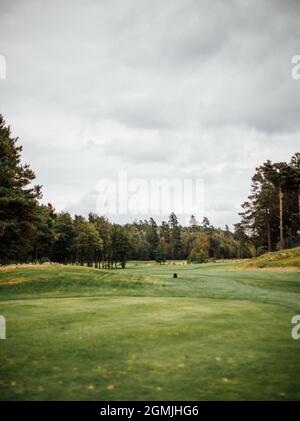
(158, 88)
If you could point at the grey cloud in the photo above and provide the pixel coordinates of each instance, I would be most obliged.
(178, 87)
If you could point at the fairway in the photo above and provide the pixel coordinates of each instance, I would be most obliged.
(215, 332)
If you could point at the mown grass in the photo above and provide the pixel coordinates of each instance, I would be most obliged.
(214, 333)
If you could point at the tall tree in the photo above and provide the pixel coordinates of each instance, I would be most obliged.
(176, 245)
(271, 214)
(63, 249)
(120, 246)
(44, 233)
(160, 256)
(152, 237)
(194, 223)
(18, 200)
(280, 175)
(295, 165)
(260, 215)
(206, 226)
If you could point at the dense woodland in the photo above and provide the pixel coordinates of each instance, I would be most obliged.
(33, 232)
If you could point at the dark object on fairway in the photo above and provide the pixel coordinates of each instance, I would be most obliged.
(174, 275)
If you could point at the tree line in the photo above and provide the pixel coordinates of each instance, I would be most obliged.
(33, 232)
(271, 215)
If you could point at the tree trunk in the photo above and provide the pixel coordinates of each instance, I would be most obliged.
(299, 199)
(281, 217)
(269, 235)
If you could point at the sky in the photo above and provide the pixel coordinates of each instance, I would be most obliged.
(156, 89)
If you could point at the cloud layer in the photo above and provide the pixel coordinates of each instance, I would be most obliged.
(177, 88)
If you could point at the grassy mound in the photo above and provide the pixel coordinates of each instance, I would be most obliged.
(283, 258)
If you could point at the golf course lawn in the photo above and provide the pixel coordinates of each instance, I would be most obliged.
(215, 332)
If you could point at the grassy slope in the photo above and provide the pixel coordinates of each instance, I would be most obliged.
(283, 258)
(214, 333)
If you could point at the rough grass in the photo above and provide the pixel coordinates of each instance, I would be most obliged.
(214, 333)
(284, 258)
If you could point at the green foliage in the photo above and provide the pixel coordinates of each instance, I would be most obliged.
(119, 245)
(64, 238)
(18, 200)
(87, 241)
(198, 257)
(152, 237)
(283, 258)
(31, 232)
(175, 228)
(160, 255)
(44, 234)
(271, 214)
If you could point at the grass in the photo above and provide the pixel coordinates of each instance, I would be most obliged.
(214, 333)
(284, 258)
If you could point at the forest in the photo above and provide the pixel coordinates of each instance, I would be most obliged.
(34, 232)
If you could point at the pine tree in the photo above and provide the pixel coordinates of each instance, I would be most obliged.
(44, 233)
(271, 214)
(176, 245)
(194, 223)
(64, 238)
(152, 237)
(119, 246)
(18, 200)
(295, 165)
(160, 255)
